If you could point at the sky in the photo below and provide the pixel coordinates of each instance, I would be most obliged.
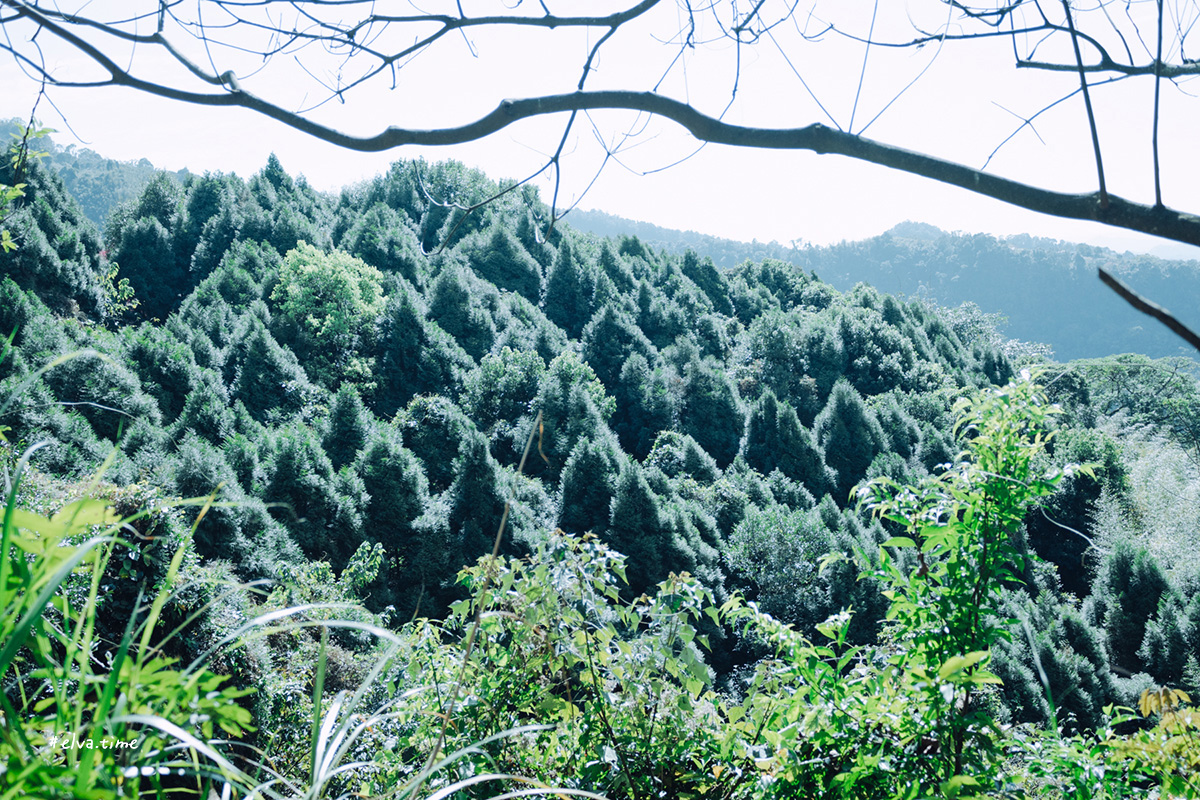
(958, 101)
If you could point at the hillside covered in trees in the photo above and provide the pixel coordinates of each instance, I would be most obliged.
(357, 378)
(1032, 289)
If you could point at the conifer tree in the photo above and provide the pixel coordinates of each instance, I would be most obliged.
(609, 339)
(569, 292)
(679, 455)
(614, 267)
(850, 435)
(208, 197)
(206, 411)
(903, 432)
(705, 275)
(435, 429)
(349, 426)
(323, 514)
(1125, 596)
(711, 411)
(383, 238)
(636, 528)
(589, 483)
(397, 494)
(270, 381)
(574, 406)
(417, 356)
(775, 439)
(646, 405)
(501, 259)
(145, 254)
(455, 308)
(476, 501)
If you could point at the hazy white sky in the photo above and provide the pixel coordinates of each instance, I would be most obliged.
(963, 105)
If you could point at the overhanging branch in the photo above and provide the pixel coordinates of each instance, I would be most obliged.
(226, 90)
(1148, 307)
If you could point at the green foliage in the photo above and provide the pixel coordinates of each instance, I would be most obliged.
(383, 238)
(456, 306)
(609, 340)
(349, 427)
(621, 689)
(501, 259)
(569, 288)
(416, 354)
(327, 310)
(322, 509)
(269, 379)
(1126, 594)
(776, 559)
(589, 484)
(944, 615)
(54, 250)
(1055, 667)
(693, 425)
(19, 156)
(850, 436)
(775, 439)
(711, 412)
(83, 726)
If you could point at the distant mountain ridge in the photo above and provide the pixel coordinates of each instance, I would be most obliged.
(1046, 288)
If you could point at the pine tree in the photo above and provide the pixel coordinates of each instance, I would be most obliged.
(383, 238)
(574, 406)
(501, 259)
(1125, 596)
(454, 305)
(418, 357)
(646, 405)
(705, 275)
(323, 514)
(434, 429)
(145, 254)
(270, 381)
(609, 339)
(397, 495)
(711, 412)
(679, 455)
(476, 501)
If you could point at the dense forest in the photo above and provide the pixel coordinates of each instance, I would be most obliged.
(1034, 289)
(318, 409)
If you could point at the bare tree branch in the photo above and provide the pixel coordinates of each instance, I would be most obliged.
(1148, 307)
(311, 23)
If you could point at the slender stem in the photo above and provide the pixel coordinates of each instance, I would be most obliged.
(1087, 102)
(1158, 201)
(863, 72)
(479, 611)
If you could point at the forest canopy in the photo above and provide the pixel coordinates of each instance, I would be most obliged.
(358, 376)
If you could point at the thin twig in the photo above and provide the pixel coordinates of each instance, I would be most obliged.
(1087, 102)
(479, 610)
(1157, 87)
